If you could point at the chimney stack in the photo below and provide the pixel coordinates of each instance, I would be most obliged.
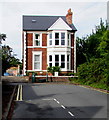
(69, 17)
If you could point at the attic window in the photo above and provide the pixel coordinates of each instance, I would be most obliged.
(33, 21)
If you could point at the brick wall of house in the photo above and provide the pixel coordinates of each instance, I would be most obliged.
(44, 39)
(29, 57)
(72, 40)
(29, 39)
(72, 59)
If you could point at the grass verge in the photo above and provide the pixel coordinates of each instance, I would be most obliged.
(94, 84)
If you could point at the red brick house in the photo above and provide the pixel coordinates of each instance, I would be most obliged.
(49, 41)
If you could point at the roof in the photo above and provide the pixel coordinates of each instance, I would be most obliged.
(41, 23)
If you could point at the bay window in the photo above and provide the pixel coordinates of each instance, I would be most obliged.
(56, 60)
(50, 39)
(68, 39)
(56, 38)
(50, 60)
(68, 62)
(62, 38)
(62, 61)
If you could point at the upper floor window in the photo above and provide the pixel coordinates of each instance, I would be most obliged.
(59, 38)
(56, 38)
(37, 40)
(68, 37)
(50, 39)
(62, 38)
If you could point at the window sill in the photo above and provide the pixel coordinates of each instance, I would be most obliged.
(37, 46)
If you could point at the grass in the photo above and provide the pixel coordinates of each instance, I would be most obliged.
(94, 84)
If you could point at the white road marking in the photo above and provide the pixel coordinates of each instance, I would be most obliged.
(70, 113)
(63, 106)
(21, 93)
(60, 104)
(48, 99)
(18, 93)
(57, 101)
(54, 99)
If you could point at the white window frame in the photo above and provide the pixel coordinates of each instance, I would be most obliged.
(69, 34)
(53, 38)
(50, 61)
(59, 59)
(50, 39)
(68, 62)
(37, 53)
(62, 61)
(62, 39)
(40, 39)
(57, 39)
(59, 53)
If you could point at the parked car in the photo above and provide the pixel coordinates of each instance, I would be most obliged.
(8, 74)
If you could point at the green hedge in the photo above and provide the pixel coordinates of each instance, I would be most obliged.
(93, 73)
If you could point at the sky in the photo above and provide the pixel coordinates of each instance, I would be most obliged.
(86, 15)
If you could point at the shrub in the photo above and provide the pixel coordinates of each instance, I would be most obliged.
(54, 69)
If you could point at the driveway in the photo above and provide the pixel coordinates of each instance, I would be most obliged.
(60, 101)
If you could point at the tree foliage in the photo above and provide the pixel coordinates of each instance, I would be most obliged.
(8, 59)
(93, 57)
(87, 46)
(53, 69)
(2, 37)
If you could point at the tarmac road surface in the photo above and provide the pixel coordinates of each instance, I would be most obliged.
(59, 101)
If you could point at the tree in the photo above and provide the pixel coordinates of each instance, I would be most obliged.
(94, 68)
(8, 59)
(2, 37)
(87, 46)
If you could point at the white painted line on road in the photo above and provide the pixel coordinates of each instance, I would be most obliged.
(70, 113)
(60, 104)
(21, 93)
(54, 99)
(48, 99)
(57, 101)
(63, 106)
(18, 93)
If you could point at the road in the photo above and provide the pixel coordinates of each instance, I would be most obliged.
(60, 101)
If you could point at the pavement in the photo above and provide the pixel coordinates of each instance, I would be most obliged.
(59, 101)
